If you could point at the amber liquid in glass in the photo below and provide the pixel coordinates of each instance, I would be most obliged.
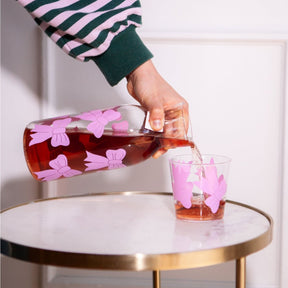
(199, 211)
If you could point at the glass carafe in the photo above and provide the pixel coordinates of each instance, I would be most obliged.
(98, 140)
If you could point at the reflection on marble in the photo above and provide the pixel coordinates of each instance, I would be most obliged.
(124, 224)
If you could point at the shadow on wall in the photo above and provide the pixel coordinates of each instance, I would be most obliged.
(150, 175)
(78, 86)
(147, 176)
(27, 275)
(20, 41)
(19, 190)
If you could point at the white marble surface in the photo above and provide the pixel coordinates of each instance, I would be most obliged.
(124, 224)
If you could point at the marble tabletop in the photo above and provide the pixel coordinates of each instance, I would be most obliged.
(120, 224)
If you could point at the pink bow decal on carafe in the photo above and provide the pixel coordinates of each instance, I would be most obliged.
(57, 133)
(120, 127)
(60, 168)
(113, 160)
(212, 185)
(99, 120)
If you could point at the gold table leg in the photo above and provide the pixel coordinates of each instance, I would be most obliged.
(241, 272)
(156, 279)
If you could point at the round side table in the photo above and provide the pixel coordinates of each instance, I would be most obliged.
(133, 231)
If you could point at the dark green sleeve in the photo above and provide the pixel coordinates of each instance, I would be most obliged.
(125, 54)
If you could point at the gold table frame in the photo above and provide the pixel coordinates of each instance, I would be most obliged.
(141, 262)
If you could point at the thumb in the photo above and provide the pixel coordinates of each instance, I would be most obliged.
(156, 118)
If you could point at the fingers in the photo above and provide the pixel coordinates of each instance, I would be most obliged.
(186, 116)
(156, 118)
(169, 111)
(174, 126)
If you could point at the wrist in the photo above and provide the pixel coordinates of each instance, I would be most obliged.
(145, 69)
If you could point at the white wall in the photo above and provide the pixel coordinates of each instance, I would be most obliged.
(229, 59)
(20, 104)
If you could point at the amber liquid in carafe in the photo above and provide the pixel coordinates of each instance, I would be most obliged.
(138, 147)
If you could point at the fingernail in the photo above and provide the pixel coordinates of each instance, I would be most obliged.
(157, 124)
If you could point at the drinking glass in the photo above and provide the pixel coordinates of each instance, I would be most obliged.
(199, 188)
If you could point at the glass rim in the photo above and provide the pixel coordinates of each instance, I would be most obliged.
(181, 158)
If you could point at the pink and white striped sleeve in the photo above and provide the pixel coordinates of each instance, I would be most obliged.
(97, 30)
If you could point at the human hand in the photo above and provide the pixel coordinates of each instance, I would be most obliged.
(148, 87)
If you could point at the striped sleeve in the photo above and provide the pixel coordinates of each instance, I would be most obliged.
(98, 30)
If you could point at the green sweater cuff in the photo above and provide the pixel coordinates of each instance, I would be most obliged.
(125, 54)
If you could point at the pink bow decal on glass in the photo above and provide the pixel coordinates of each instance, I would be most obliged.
(60, 168)
(56, 132)
(99, 120)
(182, 189)
(113, 160)
(212, 185)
